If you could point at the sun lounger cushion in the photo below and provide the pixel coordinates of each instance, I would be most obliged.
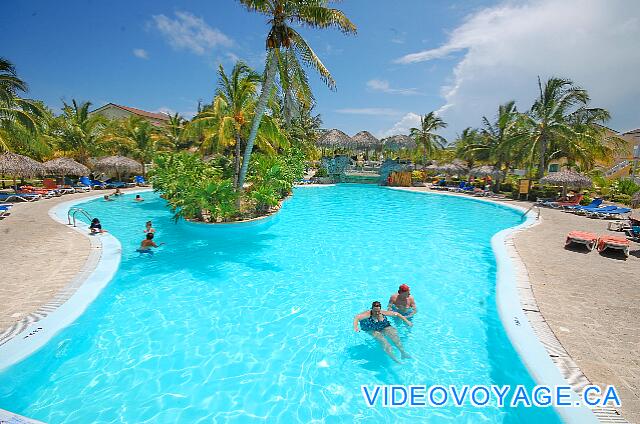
(582, 237)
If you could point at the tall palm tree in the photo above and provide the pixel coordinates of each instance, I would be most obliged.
(174, 131)
(78, 133)
(15, 112)
(502, 138)
(281, 40)
(231, 109)
(553, 116)
(425, 135)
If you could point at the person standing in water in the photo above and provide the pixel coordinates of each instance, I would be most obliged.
(149, 228)
(147, 244)
(403, 302)
(375, 323)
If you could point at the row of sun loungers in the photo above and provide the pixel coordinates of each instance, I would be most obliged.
(592, 241)
(467, 188)
(593, 209)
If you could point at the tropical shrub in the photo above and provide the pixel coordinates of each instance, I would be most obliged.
(193, 188)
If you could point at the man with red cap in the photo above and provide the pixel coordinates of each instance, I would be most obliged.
(403, 302)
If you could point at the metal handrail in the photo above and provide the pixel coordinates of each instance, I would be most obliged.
(72, 214)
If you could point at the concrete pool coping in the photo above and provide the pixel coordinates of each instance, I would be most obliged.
(39, 333)
(520, 302)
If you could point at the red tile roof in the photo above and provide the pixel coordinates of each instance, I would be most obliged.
(152, 115)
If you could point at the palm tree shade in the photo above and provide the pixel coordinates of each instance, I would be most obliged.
(284, 41)
(119, 164)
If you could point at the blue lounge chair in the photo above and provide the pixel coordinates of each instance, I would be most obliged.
(587, 211)
(612, 213)
(595, 203)
(92, 183)
(115, 184)
(139, 180)
(23, 197)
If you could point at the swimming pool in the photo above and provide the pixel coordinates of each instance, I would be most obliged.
(254, 323)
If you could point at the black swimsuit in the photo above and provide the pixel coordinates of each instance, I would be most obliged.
(371, 324)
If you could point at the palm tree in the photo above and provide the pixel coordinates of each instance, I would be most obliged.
(502, 138)
(78, 133)
(553, 116)
(425, 136)
(137, 138)
(466, 143)
(230, 113)
(284, 45)
(17, 115)
(174, 131)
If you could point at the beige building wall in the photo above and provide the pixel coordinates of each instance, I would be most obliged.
(112, 112)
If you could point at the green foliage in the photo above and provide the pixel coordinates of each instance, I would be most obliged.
(273, 176)
(627, 187)
(322, 172)
(193, 188)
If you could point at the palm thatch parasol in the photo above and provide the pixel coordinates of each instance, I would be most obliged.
(398, 142)
(118, 164)
(65, 166)
(19, 166)
(484, 171)
(335, 139)
(364, 140)
(567, 179)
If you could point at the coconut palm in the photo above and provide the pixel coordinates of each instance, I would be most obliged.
(466, 143)
(77, 133)
(425, 136)
(174, 131)
(18, 116)
(230, 113)
(284, 45)
(137, 138)
(554, 116)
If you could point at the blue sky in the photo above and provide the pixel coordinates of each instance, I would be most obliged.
(409, 57)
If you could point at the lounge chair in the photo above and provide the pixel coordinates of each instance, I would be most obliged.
(139, 180)
(22, 197)
(557, 205)
(595, 203)
(582, 237)
(609, 214)
(614, 242)
(603, 209)
(94, 184)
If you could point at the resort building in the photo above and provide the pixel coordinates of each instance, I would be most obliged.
(114, 111)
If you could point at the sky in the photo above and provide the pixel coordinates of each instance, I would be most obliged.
(461, 59)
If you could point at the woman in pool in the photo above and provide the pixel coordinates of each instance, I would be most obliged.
(138, 198)
(117, 192)
(147, 244)
(96, 227)
(375, 322)
(107, 198)
(149, 228)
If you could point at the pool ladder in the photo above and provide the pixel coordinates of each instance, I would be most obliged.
(71, 214)
(530, 208)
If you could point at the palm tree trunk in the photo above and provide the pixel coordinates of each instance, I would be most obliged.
(260, 108)
(543, 152)
(236, 163)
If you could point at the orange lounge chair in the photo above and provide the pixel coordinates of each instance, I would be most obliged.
(614, 242)
(582, 237)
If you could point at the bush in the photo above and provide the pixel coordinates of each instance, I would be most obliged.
(621, 198)
(321, 172)
(194, 189)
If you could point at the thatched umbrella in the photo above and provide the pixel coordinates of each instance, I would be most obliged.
(119, 164)
(335, 139)
(398, 142)
(65, 166)
(19, 166)
(485, 171)
(567, 179)
(364, 140)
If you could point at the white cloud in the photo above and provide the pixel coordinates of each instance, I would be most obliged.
(369, 111)
(505, 48)
(141, 53)
(384, 87)
(191, 33)
(408, 121)
(166, 111)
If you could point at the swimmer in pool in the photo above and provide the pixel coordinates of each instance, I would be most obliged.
(375, 323)
(403, 302)
(149, 228)
(148, 243)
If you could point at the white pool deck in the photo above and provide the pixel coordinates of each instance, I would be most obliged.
(583, 307)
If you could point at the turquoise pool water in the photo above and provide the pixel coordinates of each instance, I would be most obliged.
(254, 323)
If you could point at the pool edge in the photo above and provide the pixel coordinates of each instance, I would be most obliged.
(514, 320)
(25, 338)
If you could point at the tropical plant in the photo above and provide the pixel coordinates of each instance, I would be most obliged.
(137, 138)
(20, 119)
(174, 132)
(284, 45)
(193, 188)
(77, 133)
(425, 136)
(558, 116)
(465, 144)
